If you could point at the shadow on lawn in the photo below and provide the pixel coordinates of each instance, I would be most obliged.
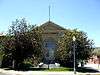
(87, 69)
(27, 69)
(41, 69)
(79, 69)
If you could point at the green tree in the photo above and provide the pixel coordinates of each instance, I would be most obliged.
(83, 47)
(7, 43)
(23, 42)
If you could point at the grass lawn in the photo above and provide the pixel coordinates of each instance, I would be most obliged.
(59, 69)
(43, 69)
(79, 69)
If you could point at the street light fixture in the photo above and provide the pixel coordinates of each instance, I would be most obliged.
(74, 39)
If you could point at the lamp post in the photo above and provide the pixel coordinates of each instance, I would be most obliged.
(74, 39)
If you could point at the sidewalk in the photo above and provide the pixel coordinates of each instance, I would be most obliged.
(94, 66)
(12, 72)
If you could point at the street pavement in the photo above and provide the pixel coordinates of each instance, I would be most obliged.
(3, 74)
(12, 72)
(36, 73)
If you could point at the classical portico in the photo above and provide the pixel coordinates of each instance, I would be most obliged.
(50, 35)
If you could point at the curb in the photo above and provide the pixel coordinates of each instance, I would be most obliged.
(12, 72)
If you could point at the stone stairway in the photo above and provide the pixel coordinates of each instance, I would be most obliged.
(56, 65)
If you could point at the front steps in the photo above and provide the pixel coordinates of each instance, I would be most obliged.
(56, 65)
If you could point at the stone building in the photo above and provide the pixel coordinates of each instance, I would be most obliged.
(50, 35)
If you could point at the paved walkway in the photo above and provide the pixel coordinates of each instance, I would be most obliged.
(94, 66)
(12, 72)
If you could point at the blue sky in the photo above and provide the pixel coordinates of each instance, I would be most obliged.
(81, 14)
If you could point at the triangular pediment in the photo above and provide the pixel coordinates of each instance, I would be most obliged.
(51, 26)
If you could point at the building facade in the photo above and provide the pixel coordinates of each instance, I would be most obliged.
(50, 35)
(95, 59)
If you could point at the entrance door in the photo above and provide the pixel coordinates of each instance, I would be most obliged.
(50, 46)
